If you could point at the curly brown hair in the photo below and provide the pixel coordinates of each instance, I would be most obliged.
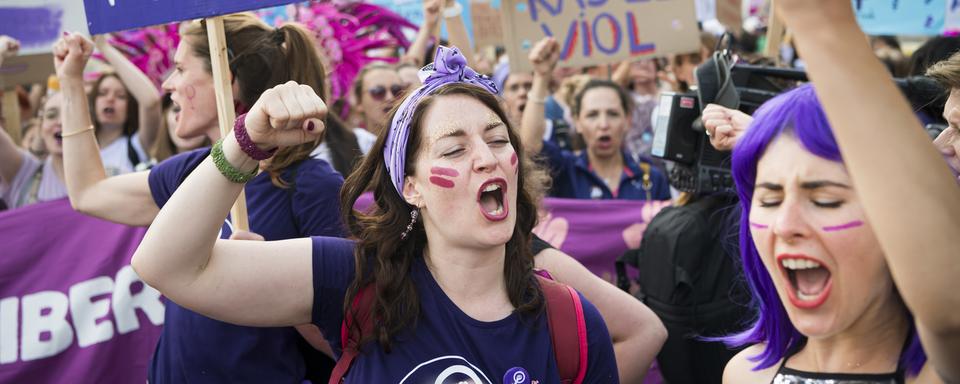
(384, 260)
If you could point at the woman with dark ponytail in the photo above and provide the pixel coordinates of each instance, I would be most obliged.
(290, 196)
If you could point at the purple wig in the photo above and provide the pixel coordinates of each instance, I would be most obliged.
(798, 113)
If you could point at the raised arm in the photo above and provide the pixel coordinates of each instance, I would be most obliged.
(140, 86)
(431, 18)
(457, 32)
(621, 75)
(544, 57)
(8, 47)
(916, 214)
(636, 331)
(123, 199)
(253, 283)
(11, 157)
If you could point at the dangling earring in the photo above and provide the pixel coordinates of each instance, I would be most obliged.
(414, 213)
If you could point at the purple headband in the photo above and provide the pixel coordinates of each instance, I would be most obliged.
(449, 66)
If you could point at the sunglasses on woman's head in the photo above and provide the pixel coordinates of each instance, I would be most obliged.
(379, 92)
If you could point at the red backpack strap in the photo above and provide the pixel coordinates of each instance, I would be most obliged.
(361, 306)
(568, 329)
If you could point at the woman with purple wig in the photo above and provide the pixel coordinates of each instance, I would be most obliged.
(845, 232)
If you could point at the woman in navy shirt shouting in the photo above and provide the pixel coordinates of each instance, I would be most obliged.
(445, 248)
(603, 170)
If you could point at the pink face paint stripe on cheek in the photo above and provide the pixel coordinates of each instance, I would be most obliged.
(441, 182)
(444, 171)
(759, 226)
(852, 224)
(513, 159)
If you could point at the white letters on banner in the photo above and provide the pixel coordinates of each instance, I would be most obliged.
(45, 330)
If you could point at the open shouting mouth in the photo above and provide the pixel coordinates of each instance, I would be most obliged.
(492, 199)
(809, 280)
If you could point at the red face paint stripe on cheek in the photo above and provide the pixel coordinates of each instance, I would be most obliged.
(441, 182)
(852, 224)
(759, 226)
(444, 171)
(513, 159)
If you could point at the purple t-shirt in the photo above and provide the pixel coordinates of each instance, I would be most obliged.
(446, 345)
(197, 349)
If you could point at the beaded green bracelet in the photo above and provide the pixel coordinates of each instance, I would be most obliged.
(228, 170)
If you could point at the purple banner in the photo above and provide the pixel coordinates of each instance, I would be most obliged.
(32, 25)
(71, 307)
(596, 232)
(116, 15)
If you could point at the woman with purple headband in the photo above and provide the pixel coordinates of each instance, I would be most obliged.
(444, 251)
(847, 229)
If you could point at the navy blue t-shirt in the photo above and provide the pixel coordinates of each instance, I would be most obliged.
(446, 345)
(573, 178)
(197, 349)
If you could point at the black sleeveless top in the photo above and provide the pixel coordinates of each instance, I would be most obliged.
(793, 376)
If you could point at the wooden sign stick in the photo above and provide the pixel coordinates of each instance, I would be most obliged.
(225, 112)
(11, 114)
(775, 30)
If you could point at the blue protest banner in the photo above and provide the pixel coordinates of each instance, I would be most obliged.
(412, 10)
(116, 15)
(901, 17)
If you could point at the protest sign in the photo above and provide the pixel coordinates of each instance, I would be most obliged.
(71, 307)
(26, 69)
(901, 17)
(953, 18)
(117, 15)
(595, 32)
(730, 14)
(37, 24)
(412, 10)
(487, 30)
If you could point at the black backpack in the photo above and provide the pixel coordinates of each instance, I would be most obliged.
(690, 276)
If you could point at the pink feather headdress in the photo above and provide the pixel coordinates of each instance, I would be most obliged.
(151, 49)
(347, 32)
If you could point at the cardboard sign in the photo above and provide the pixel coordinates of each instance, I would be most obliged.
(37, 24)
(116, 15)
(26, 69)
(487, 30)
(592, 32)
(729, 12)
(901, 17)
